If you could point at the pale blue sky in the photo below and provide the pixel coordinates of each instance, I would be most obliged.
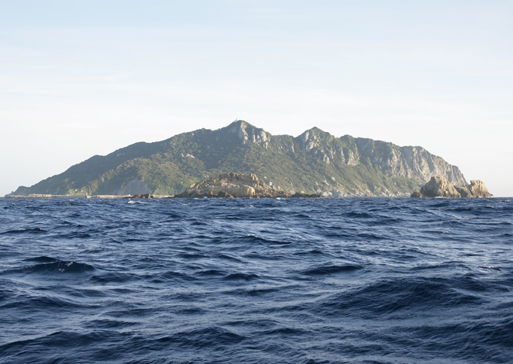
(85, 78)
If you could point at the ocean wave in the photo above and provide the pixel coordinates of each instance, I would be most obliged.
(36, 230)
(332, 269)
(51, 265)
(289, 281)
(241, 277)
(389, 296)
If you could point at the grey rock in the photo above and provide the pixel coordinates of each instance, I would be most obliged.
(478, 189)
(439, 186)
(464, 191)
(234, 185)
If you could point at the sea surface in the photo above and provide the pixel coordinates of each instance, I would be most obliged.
(354, 280)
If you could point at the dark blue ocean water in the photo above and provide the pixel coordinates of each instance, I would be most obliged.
(256, 281)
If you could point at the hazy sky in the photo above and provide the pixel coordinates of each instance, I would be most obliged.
(79, 78)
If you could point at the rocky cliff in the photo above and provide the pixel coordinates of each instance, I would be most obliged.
(313, 162)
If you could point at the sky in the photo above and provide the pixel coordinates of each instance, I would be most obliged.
(85, 78)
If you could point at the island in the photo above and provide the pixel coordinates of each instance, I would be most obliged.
(315, 162)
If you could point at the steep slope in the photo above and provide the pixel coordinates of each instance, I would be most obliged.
(315, 161)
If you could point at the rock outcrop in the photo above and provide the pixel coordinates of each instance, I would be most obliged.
(478, 189)
(439, 186)
(234, 185)
(141, 195)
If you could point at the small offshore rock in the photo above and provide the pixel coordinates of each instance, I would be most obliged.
(143, 195)
(439, 186)
(478, 189)
(305, 195)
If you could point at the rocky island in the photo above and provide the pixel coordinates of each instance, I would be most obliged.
(439, 186)
(235, 185)
(315, 162)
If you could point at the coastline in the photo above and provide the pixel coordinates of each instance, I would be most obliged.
(106, 197)
(46, 196)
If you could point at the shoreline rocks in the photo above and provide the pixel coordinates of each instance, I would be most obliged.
(439, 186)
(142, 195)
(235, 185)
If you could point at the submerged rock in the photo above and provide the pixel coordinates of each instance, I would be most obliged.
(234, 185)
(439, 186)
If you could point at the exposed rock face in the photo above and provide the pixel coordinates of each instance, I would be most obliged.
(463, 191)
(234, 185)
(417, 194)
(439, 186)
(478, 189)
(408, 162)
(392, 160)
(245, 133)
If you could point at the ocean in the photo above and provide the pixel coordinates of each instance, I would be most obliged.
(351, 280)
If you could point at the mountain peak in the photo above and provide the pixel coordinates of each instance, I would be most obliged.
(245, 131)
(239, 124)
(314, 135)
